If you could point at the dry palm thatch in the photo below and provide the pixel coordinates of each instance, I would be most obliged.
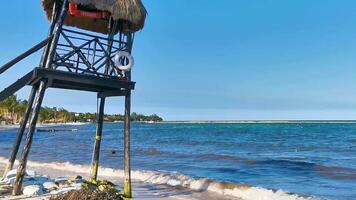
(130, 13)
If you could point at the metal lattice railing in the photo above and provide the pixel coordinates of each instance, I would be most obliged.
(84, 53)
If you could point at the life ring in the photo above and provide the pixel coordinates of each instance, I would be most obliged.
(118, 61)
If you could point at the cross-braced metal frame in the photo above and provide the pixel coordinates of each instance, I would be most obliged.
(69, 55)
(84, 53)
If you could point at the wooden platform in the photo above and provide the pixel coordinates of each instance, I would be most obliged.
(108, 86)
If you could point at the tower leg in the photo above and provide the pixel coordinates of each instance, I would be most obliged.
(20, 132)
(46, 62)
(127, 164)
(99, 127)
(96, 151)
(21, 169)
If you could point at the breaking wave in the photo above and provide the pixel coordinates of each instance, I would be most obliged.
(242, 191)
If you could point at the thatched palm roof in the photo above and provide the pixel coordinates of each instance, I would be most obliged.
(131, 14)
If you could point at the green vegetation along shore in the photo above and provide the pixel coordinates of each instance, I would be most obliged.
(12, 110)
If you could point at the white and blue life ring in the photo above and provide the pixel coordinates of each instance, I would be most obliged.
(120, 57)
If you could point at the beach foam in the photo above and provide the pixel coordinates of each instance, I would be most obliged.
(242, 191)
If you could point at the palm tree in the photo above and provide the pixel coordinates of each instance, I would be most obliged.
(20, 109)
(2, 108)
(11, 103)
(63, 114)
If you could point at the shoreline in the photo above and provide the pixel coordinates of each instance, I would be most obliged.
(16, 126)
(150, 185)
(141, 190)
(260, 122)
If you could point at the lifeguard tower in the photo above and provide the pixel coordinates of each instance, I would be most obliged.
(93, 56)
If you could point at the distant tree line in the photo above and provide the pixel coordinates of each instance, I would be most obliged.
(12, 110)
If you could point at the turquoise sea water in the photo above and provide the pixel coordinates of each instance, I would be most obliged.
(308, 159)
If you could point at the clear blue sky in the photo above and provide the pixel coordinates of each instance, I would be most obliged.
(217, 60)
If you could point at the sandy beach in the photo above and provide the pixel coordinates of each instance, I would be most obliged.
(15, 126)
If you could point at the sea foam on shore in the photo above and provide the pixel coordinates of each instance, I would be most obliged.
(240, 191)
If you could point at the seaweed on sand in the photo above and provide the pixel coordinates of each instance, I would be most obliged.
(102, 190)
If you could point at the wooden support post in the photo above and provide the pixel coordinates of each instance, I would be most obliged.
(99, 127)
(21, 169)
(127, 159)
(112, 29)
(20, 132)
(55, 11)
(127, 162)
(47, 63)
(57, 29)
(96, 151)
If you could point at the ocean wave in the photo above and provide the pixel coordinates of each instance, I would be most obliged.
(295, 163)
(288, 163)
(243, 191)
(334, 172)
